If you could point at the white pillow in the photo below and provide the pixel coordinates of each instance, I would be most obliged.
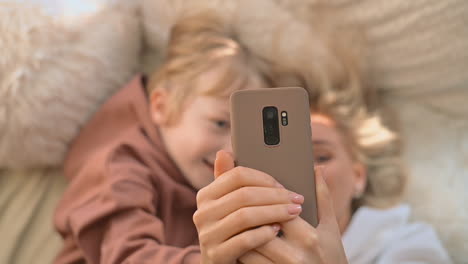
(54, 75)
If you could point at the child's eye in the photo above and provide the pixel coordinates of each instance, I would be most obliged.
(221, 123)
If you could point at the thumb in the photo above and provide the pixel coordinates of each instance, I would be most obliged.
(224, 162)
(324, 199)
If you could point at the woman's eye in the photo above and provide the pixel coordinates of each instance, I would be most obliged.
(322, 158)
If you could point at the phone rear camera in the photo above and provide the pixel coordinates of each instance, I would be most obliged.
(272, 140)
(270, 115)
(271, 125)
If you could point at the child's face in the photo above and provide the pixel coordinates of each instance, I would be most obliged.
(203, 128)
(343, 175)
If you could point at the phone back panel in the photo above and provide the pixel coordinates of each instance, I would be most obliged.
(291, 161)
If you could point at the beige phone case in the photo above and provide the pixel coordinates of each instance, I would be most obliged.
(290, 161)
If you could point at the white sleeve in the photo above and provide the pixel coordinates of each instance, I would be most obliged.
(415, 244)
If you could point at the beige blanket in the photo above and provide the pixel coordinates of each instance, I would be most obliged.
(27, 202)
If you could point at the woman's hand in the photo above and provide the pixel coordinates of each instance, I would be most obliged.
(302, 243)
(238, 211)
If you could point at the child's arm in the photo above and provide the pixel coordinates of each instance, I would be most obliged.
(111, 218)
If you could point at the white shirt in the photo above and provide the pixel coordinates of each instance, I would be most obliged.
(386, 237)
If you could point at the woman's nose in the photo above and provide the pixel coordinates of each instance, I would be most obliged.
(228, 145)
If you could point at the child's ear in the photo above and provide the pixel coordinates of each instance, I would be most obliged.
(158, 106)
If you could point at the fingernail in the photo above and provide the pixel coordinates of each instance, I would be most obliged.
(294, 209)
(296, 198)
(279, 185)
(276, 227)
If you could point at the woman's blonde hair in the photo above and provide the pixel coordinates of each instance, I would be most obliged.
(200, 43)
(335, 77)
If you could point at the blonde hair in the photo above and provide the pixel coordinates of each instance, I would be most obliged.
(334, 75)
(200, 43)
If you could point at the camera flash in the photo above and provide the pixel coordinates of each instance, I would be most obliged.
(284, 118)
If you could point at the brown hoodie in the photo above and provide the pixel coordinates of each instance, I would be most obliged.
(127, 201)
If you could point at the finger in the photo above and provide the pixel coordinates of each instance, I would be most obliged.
(244, 242)
(295, 229)
(280, 252)
(224, 162)
(324, 199)
(298, 234)
(247, 218)
(234, 179)
(246, 197)
(254, 257)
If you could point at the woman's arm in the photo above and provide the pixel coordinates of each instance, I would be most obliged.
(302, 243)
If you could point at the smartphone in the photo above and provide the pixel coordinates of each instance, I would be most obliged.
(270, 130)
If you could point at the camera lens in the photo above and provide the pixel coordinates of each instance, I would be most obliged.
(271, 125)
(272, 140)
(270, 114)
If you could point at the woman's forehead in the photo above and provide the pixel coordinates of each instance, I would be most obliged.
(321, 119)
(323, 129)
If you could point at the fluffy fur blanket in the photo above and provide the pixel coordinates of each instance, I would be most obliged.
(53, 76)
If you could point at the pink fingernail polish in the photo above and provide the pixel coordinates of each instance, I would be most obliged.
(294, 209)
(296, 198)
(276, 227)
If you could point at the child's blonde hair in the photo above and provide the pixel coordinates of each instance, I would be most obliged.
(201, 43)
